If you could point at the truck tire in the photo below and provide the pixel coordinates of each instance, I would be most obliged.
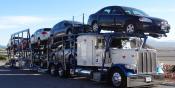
(72, 62)
(118, 78)
(95, 27)
(71, 66)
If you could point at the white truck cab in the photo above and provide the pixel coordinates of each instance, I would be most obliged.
(126, 65)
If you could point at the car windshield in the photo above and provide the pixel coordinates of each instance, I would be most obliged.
(133, 11)
(75, 23)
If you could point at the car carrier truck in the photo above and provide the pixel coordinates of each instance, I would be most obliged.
(112, 57)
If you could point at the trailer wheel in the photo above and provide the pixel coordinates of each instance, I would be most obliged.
(41, 65)
(61, 72)
(52, 70)
(118, 79)
(95, 27)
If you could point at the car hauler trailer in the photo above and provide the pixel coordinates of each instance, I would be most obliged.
(111, 57)
(18, 48)
(39, 56)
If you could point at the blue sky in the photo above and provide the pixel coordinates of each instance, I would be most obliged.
(16, 15)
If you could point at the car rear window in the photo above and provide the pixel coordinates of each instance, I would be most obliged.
(47, 29)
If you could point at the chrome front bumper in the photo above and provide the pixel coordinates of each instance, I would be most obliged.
(140, 80)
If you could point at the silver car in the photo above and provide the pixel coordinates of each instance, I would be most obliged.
(40, 35)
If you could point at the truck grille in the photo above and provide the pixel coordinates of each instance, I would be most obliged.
(147, 62)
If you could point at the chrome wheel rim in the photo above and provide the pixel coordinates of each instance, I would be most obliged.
(69, 34)
(95, 27)
(130, 28)
(116, 79)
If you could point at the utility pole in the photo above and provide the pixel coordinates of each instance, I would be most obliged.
(83, 18)
(73, 20)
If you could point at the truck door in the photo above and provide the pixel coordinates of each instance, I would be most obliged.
(99, 52)
(85, 51)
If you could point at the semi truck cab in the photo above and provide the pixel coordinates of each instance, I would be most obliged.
(120, 60)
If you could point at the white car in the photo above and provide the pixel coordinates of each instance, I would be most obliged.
(40, 35)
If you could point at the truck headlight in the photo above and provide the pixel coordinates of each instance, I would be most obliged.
(143, 19)
(131, 66)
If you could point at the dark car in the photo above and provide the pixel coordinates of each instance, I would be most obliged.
(130, 20)
(67, 27)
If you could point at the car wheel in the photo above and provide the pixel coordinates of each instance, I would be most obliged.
(118, 79)
(130, 28)
(95, 27)
(69, 34)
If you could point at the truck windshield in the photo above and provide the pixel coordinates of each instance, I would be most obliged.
(120, 43)
(100, 44)
(133, 11)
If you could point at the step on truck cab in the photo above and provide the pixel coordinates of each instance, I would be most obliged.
(118, 60)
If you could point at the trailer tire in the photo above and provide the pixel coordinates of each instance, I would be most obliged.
(52, 70)
(117, 78)
(61, 71)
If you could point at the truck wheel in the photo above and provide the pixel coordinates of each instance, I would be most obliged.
(70, 34)
(118, 79)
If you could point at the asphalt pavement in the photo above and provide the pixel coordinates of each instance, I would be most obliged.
(16, 78)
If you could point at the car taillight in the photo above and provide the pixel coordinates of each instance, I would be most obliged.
(44, 33)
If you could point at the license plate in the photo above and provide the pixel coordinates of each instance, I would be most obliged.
(148, 79)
